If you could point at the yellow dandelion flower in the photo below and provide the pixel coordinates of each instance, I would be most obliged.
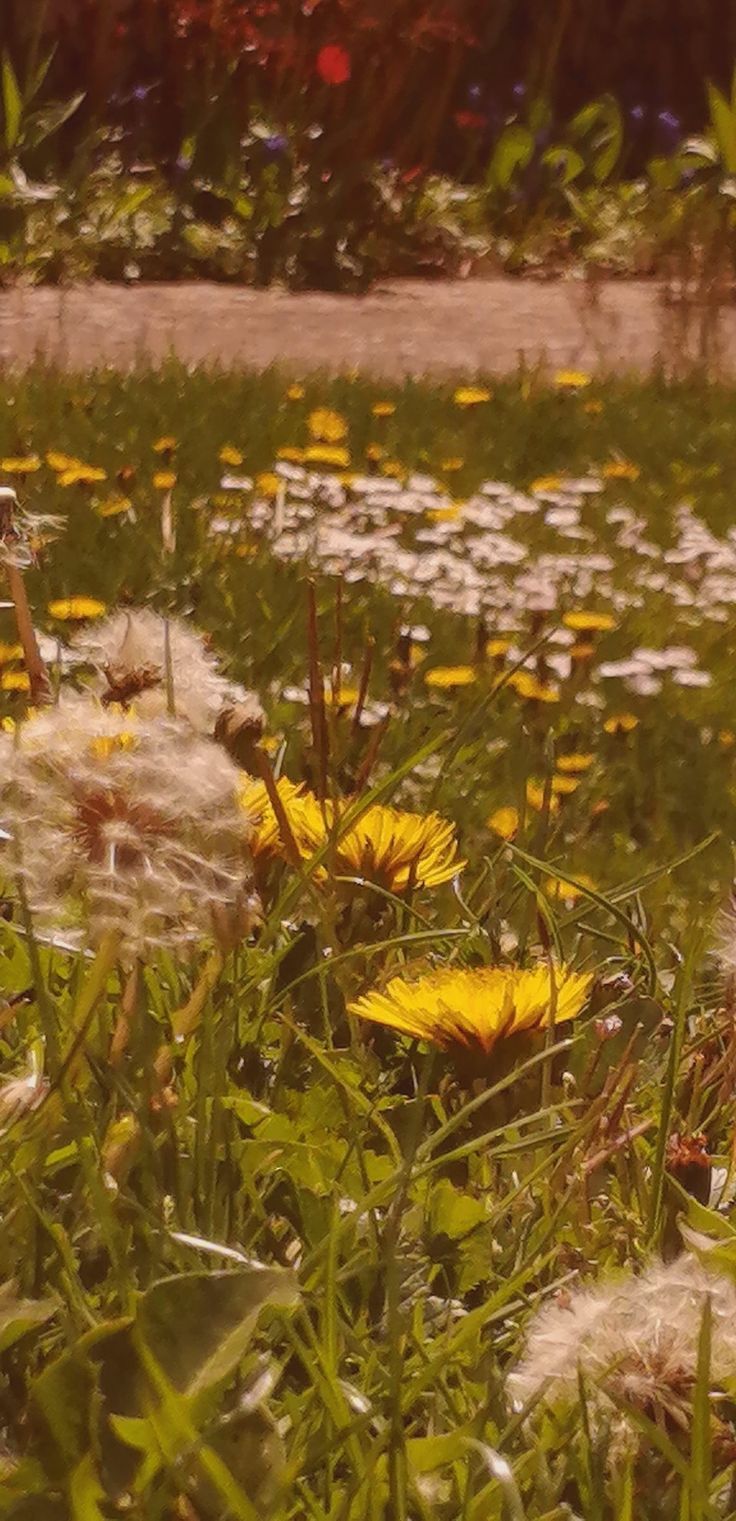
(374, 453)
(10, 652)
(527, 685)
(471, 396)
(268, 483)
(326, 426)
(584, 622)
(383, 408)
(254, 799)
(15, 681)
(452, 464)
(444, 514)
(25, 464)
(393, 469)
(327, 454)
(82, 475)
(113, 506)
(546, 483)
(444, 677)
(164, 480)
(574, 763)
(572, 380)
(230, 456)
(165, 445)
(620, 470)
(535, 796)
(564, 786)
(568, 892)
(73, 609)
(496, 648)
(726, 737)
(295, 393)
(458, 1006)
(293, 456)
(620, 723)
(504, 822)
(386, 845)
(342, 697)
(61, 462)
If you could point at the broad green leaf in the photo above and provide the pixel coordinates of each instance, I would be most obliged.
(723, 120)
(512, 152)
(86, 1492)
(12, 104)
(453, 1212)
(42, 124)
(18, 1316)
(198, 1325)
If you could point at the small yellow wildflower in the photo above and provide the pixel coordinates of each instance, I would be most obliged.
(326, 426)
(568, 892)
(70, 609)
(574, 763)
(584, 622)
(15, 681)
(25, 464)
(342, 697)
(572, 380)
(447, 676)
(393, 469)
(327, 454)
(471, 396)
(504, 822)
(452, 464)
(113, 506)
(620, 470)
(164, 480)
(476, 1007)
(546, 483)
(61, 462)
(535, 796)
(165, 445)
(82, 475)
(527, 685)
(10, 652)
(620, 723)
(291, 454)
(498, 647)
(230, 456)
(564, 786)
(268, 483)
(383, 408)
(444, 514)
(374, 453)
(295, 393)
(726, 738)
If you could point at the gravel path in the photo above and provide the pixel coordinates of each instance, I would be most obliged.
(407, 327)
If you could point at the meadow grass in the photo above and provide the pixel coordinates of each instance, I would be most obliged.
(418, 1203)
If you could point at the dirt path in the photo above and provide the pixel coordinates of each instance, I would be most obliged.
(404, 328)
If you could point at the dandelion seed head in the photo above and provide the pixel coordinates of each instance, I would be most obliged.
(129, 652)
(115, 823)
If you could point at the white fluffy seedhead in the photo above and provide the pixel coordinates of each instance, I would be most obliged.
(129, 652)
(120, 824)
(634, 1339)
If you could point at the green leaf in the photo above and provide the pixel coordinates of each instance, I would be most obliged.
(198, 1325)
(512, 152)
(723, 121)
(12, 104)
(453, 1212)
(566, 163)
(42, 124)
(86, 1492)
(18, 1316)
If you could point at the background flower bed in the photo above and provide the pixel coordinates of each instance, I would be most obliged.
(332, 143)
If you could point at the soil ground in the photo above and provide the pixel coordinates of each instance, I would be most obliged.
(408, 327)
